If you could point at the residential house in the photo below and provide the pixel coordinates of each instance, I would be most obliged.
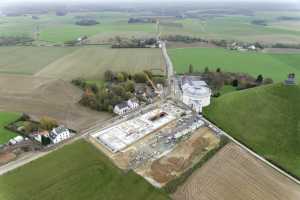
(59, 134)
(125, 107)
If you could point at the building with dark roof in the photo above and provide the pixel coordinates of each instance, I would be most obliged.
(59, 134)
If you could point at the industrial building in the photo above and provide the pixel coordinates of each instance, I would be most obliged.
(122, 135)
(194, 92)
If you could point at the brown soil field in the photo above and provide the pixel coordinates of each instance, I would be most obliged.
(182, 157)
(234, 174)
(40, 97)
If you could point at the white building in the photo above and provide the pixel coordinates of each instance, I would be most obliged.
(125, 107)
(59, 134)
(195, 93)
(252, 48)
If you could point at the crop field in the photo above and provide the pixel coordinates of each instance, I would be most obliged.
(40, 97)
(235, 174)
(92, 62)
(81, 172)
(275, 66)
(58, 29)
(239, 27)
(6, 118)
(73, 62)
(29, 60)
(266, 119)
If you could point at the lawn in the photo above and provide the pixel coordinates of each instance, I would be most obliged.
(275, 66)
(6, 118)
(29, 60)
(91, 62)
(75, 172)
(266, 119)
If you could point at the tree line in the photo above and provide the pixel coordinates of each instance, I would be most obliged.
(216, 79)
(118, 87)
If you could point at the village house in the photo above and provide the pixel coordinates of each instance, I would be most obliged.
(125, 107)
(59, 134)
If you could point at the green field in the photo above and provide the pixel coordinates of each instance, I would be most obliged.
(266, 119)
(275, 66)
(59, 29)
(91, 62)
(72, 62)
(75, 172)
(239, 27)
(6, 118)
(29, 60)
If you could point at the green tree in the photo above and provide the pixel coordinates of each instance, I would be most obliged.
(48, 123)
(29, 127)
(120, 77)
(129, 86)
(191, 68)
(206, 70)
(108, 75)
(259, 79)
(140, 77)
(126, 75)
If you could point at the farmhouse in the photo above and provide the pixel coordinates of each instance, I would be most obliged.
(125, 107)
(59, 134)
(195, 93)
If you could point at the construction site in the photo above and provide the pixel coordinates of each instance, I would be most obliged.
(159, 144)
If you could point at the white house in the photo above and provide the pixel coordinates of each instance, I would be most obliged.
(59, 134)
(125, 107)
(195, 93)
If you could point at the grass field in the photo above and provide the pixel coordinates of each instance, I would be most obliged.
(92, 62)
(29, 60)
(77, 171)
(6, 118)
(266, 119)
(238, 27)
(72, 62)
(275, 66)
(59, 29)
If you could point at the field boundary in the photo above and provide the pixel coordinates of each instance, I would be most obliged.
(253, 153)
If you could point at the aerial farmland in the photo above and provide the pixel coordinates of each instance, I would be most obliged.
(149, 100)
